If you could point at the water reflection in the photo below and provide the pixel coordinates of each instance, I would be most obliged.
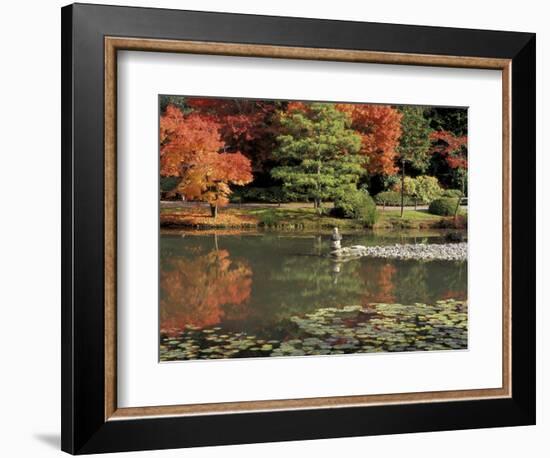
(203, 289)
(258, 285)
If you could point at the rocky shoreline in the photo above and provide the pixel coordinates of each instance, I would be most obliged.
(422, 252)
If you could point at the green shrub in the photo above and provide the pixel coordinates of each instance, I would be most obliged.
(445, 206)
(356, 205)
(422, 189)
(452, 193)
(426, 189)
(392, 199)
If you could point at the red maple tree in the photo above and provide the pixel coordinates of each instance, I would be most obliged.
(246, 125)
(380, 130)
(452, 148)
(191, 148)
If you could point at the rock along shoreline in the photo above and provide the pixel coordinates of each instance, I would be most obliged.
(421, 252)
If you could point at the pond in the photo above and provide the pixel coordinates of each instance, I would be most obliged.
(258, 294)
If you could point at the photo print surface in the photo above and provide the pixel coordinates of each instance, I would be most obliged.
(299, 228)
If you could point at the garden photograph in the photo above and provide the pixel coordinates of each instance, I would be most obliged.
(310, 228)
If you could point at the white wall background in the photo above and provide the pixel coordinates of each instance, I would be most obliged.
(30, 227)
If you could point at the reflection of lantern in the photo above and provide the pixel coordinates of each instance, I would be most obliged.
(336, 267)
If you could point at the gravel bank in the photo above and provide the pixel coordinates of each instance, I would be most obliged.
(425, 252)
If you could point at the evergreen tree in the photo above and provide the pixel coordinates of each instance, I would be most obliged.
(318, 152)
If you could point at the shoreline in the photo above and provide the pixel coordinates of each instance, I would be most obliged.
(301, 218)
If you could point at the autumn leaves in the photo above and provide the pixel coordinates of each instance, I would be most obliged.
(313, 152)
(192, 149)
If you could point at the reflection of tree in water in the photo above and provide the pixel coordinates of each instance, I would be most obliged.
(291, 276)
(306, 283)
(379, 282)
(203, 289)
(408, 282)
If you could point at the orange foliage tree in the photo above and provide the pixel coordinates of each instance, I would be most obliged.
(380, 130)
(202, 291)
(246, 125)
(191, 148)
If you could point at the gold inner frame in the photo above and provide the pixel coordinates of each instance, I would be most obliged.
(114, 44)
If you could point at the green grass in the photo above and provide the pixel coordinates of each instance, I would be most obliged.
(410, 219)
(298, 218)
(415, 215)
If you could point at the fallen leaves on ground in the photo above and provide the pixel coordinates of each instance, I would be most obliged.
(201, 217)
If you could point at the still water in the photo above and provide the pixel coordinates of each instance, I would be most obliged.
(277, 294)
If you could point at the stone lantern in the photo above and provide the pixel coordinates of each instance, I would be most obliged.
(335, 239)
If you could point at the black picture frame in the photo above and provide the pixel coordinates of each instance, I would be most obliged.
(84, 428)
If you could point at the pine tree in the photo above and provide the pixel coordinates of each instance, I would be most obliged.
(318, 152)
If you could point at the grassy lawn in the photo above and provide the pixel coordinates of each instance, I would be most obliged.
(294, 218)
(300, 218)
(415, 215)
(413, 219)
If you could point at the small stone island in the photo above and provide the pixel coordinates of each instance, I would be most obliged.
(421, 251)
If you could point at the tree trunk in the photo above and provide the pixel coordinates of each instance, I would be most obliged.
(458, 206)
(317, 204)
(402, 187)
(318, 198)
(214, 210)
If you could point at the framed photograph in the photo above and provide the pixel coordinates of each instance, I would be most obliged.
(281, 229)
